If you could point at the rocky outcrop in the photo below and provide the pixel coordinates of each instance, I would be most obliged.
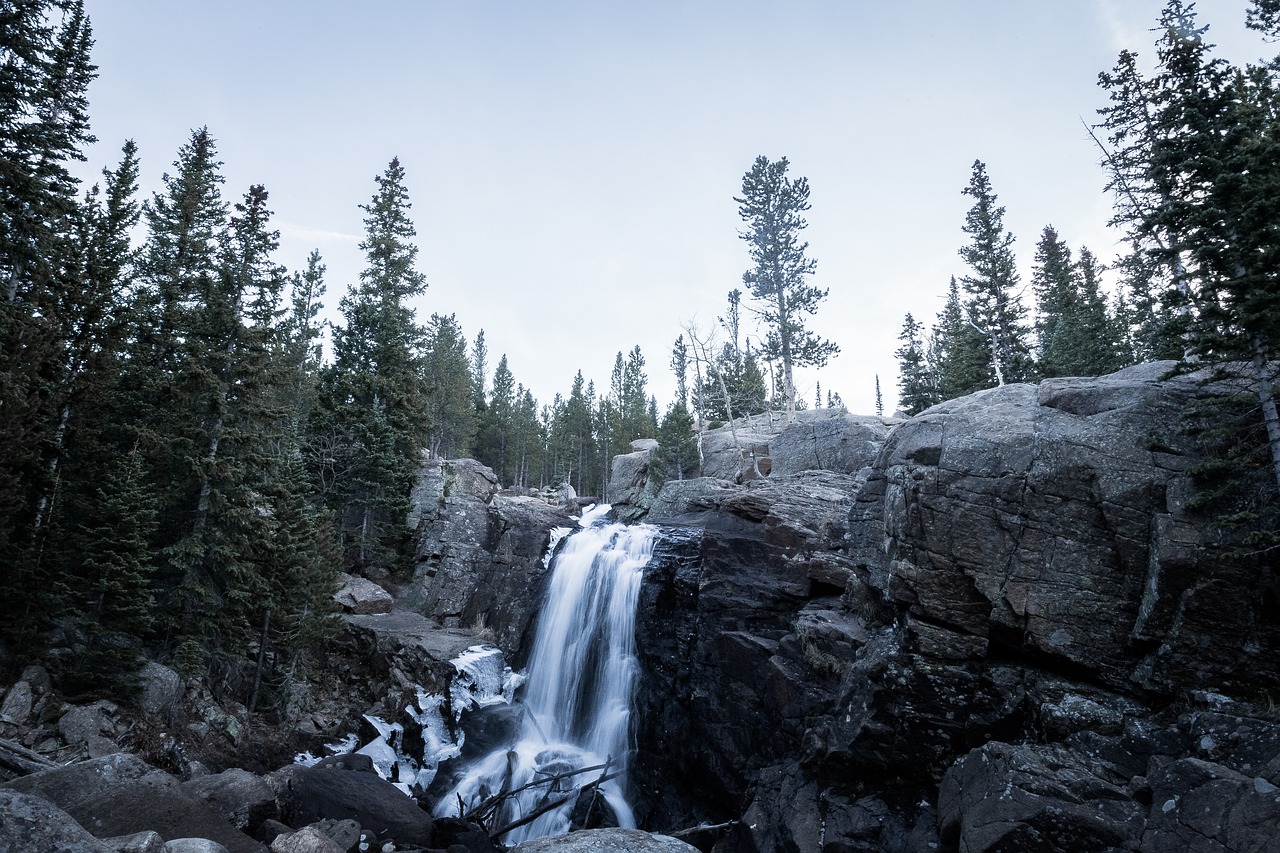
(755, 449)
(479, 560)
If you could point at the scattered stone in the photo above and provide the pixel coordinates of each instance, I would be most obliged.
(362, 596)
(81, 723)
(344, 833)
(193, 845)
(161, 688)
(17, 704)
(306, 840)
(138, 842)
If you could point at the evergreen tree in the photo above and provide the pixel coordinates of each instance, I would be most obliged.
(479, 368)
(304, 329)
(1077, 335)
(452, 418)
(993, 303)
(879, 399)
(1195, 168)
(917, 389)
(110, 594)
(43, 126)
(574, 438)
(680, 368)
(959, 355)
(498, 424)
(772, 206)
(375, 395)
(677, 455)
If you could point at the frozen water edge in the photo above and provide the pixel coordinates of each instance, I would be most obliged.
(481, 679)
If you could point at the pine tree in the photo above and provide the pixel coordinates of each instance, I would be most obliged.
(917, 389)
(452, 419)
(772, 206)
(498, 424)
(677, 456)
(375, 395)
(879, 399)
(304, 329)
(43, 126)
(993, 304)
(1077, 337)
(959, 355)
(110, 592)
(479, 366)
(1194, 166)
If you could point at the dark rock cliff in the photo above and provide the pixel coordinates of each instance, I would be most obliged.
(1006, 632)
(996, 626)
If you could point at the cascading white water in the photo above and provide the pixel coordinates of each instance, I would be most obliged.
(580, 681)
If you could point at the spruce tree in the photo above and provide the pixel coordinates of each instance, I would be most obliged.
(43, 126)
(1193, 162)
(451, 412)
(917, 389)
(677, 457)
(993, 303)
(959, 355)
(772, 207)
(374, 392)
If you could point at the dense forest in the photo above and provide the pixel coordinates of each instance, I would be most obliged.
(185, 469)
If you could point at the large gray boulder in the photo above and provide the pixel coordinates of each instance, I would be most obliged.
(828, 440)
(1016, 516)
(362, 596)
(161, 688)
(120, 795)
(332, 791)
(32, 824)
(241, 797)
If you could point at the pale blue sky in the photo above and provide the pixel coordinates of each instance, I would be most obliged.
(572, 164)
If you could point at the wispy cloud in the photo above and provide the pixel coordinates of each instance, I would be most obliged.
(315, 235)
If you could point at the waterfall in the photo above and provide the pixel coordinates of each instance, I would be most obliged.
(581, 676)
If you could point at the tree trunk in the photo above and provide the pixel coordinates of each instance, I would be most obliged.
(1265, 390)
(262, 659)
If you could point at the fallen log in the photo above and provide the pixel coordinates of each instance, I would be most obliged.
(17, 758)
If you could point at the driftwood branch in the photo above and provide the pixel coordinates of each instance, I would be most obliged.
(551, 806)
(694, 830)
(484, 807)
(19, 759)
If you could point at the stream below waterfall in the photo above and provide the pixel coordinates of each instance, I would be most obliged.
(575, 724)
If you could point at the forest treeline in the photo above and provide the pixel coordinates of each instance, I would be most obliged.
(184, 473)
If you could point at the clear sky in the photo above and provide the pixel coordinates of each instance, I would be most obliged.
(572, 163)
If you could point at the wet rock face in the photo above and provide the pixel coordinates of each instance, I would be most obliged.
(740, 626)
